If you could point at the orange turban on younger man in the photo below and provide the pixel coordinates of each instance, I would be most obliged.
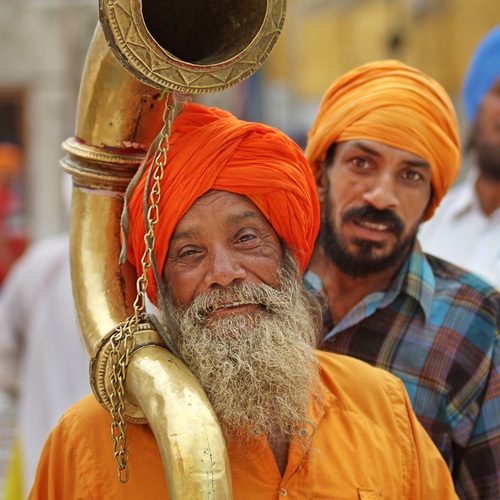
(396, 105)
(211, 149)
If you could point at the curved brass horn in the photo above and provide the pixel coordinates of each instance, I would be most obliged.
(188, 46)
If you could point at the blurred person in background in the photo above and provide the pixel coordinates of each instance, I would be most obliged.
(13, 240)
(42, 361)
(384, 149)
(466, 227)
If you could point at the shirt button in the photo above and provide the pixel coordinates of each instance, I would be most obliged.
(283, 492)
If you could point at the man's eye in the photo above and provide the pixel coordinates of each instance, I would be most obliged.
(246, 237)
(412, 175)
(360, 162)
(186, 253)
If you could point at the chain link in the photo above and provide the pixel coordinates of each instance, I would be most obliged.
(123, 340)
(122, 343)
(152, 215)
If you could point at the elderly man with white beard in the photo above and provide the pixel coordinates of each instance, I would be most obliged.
(238, 217)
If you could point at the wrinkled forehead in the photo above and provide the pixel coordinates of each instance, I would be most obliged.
(225, 207)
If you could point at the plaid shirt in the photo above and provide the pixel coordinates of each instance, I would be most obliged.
(437, 328)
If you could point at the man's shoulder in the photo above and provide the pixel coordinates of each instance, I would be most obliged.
(464, 303)
(83, 412)
(85, 428)
(78, 457)
(343, 370)
(361, 388)
(452, 279)
(89, 411)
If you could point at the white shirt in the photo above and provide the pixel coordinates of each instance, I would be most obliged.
(461, 233)
(41, 356)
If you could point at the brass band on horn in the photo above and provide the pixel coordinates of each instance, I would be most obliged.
(139, 49)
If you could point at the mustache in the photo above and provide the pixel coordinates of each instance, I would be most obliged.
(385, 216)
(239, 293)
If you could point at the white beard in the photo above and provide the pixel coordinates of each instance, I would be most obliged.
(259, 372)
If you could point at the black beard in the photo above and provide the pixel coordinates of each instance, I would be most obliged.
(363, 263)
(488, 161)
(487, 155)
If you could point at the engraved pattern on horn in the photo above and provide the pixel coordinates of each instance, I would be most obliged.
(138, 48)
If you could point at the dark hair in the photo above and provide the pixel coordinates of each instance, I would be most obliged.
(330, 154)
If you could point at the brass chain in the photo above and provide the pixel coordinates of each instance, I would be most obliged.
(122, 343)
(123, 340)
(152, 215)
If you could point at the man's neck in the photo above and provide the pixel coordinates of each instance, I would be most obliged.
(488, 193)
(342, 290)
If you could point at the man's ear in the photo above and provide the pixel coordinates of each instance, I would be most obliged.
(321, 183)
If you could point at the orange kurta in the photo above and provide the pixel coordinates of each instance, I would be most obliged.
(367, 443)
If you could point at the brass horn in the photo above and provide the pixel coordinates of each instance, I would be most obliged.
(139, 49)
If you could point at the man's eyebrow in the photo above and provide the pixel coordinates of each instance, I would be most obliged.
(248, 215)
(365, 148)
(418, 164)
(232, 219)
(412, 163)
(184, 235)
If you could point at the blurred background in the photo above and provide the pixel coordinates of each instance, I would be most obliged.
(43, 48)
(44, 44)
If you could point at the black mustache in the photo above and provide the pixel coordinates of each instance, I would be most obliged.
(371, 214)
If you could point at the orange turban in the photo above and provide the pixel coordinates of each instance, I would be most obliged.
(396, 105)
(211, 149)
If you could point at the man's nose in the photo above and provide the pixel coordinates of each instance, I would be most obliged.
(382, 192)
(224, 268)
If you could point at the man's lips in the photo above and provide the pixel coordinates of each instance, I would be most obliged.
(374, 226)
(243, 307)
(373, 231)
(230, 305)
(371, 223)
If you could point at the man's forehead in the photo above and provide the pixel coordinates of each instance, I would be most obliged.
(217, 196)
(229, 207)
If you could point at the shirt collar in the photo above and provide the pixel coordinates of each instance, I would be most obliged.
(415, 279)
